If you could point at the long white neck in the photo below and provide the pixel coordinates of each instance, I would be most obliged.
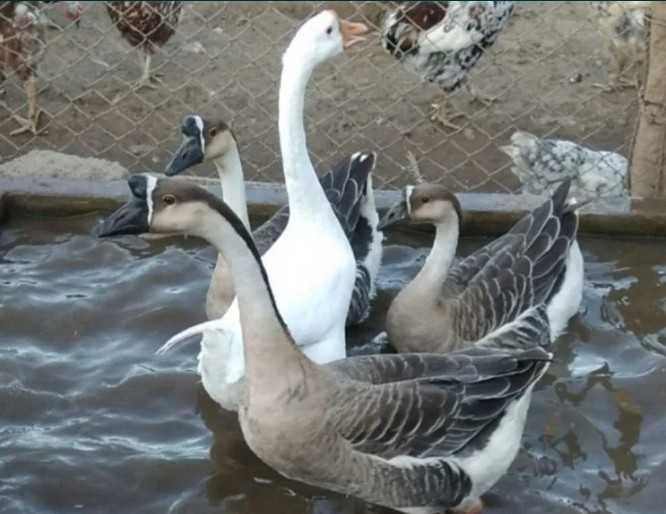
(265, 339)
(443, 251)
(230, 170)
(306, 196)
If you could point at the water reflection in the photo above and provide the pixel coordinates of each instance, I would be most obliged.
(82, 396)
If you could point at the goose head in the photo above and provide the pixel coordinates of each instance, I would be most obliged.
(323, 36)
(166, 206)
(424, 203)
(203, 140)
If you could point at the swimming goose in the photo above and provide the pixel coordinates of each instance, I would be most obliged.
(311, 265)
(349, 192)
(541, 163)
(445, 306)
(419, 433)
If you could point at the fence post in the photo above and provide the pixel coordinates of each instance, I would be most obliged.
(648, 157)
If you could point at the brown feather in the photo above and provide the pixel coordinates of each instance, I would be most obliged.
(148, 25)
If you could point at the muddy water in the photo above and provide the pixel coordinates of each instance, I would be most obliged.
(91, 421)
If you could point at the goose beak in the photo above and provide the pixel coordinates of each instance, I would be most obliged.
(352, 32)
(395, 214)
(188, 155)
(131, 218)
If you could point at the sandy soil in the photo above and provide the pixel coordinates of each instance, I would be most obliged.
(225, 61)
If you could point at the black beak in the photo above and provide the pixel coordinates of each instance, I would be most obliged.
(131, 218)
(394, 215)
(188, 155)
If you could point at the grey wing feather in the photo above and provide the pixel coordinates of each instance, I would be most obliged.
(359, 307)
(348, 182)
(346, 187)
(434, 406)
(440, 416)
(523, 268)
(530, 330)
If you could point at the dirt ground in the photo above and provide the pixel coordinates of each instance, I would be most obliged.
(225, 61)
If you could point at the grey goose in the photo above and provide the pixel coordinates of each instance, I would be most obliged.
(419, 433)
(447, 305)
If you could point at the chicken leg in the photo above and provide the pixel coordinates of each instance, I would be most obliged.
(442, 114)
(151, 81)
(31, 123)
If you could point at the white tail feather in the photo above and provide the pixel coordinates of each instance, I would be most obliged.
(188, 333)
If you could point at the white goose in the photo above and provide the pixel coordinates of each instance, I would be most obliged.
(348, 188)
(418, 433)
(311, 265)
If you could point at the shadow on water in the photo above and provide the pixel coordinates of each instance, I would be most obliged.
(92, 421)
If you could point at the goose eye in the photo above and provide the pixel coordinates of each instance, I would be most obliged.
(425, 199)
(329, 29)
(169, 199)
(212, 132)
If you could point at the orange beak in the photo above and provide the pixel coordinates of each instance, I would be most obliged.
(352, 33)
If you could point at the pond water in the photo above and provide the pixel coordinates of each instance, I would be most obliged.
(92, 421)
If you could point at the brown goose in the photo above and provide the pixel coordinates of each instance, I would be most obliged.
(446, 306)
(419, 433)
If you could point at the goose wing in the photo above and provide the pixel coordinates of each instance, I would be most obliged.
(530, 329)
(439, 416)
(525, 267)
(423, 409)
(345, 186)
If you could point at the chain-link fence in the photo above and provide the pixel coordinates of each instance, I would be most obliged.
(224, 61)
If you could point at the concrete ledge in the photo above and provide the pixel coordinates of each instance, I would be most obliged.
(485, 214)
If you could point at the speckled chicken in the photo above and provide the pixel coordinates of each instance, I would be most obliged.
(22, 46)
(540, 164)
(623, 25)
(146, 26)
(442, 41)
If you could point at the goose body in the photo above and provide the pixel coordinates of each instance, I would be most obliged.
(418, 433)
(540, 164)
(450, 305)
(311, 264)
(348, 187)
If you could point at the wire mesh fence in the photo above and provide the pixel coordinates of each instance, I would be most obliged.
(224, 61)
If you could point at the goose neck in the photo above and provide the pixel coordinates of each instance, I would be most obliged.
(306, 197)
(230, 171)
(440, 258)
(266, 340)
